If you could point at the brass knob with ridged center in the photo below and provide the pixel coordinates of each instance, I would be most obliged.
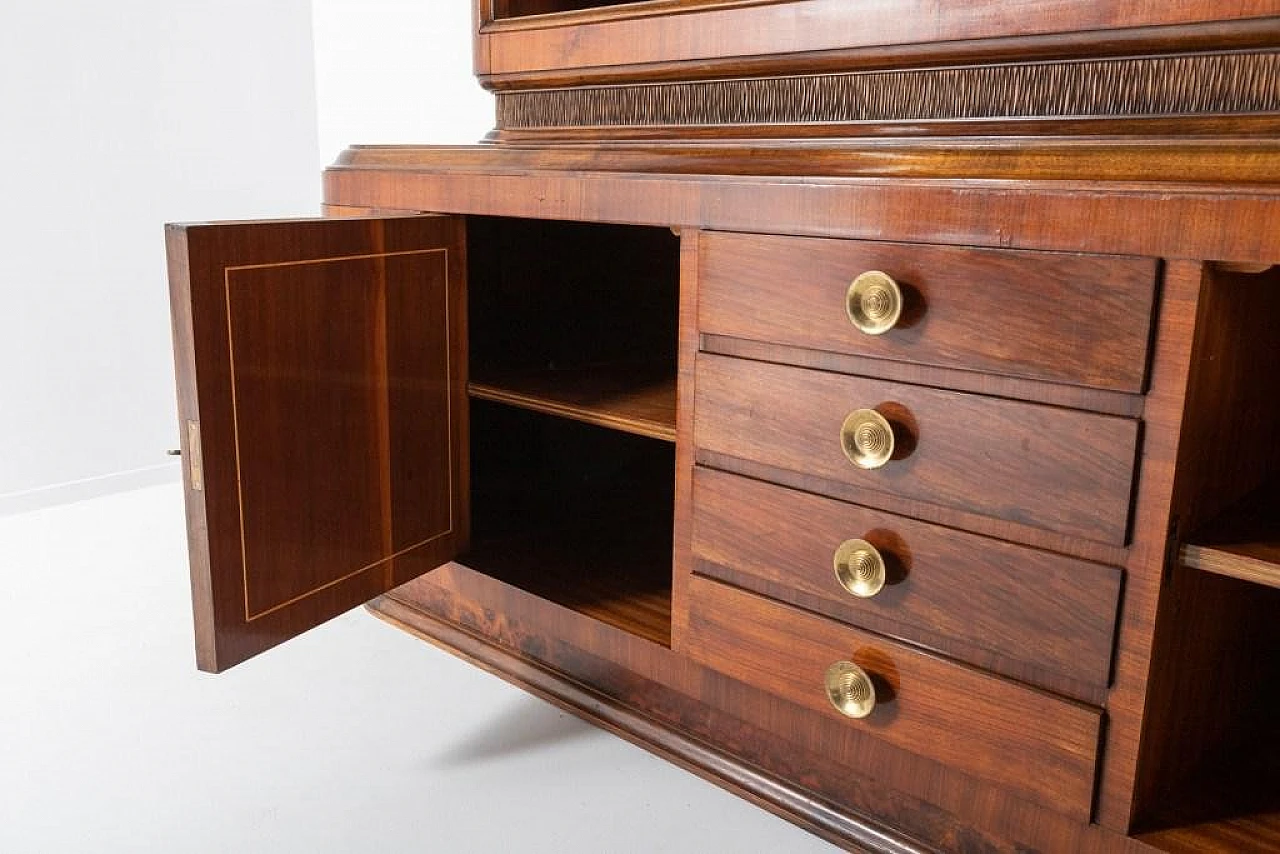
(867, 439)
(859, 568)
(874, 302)
(850, 690)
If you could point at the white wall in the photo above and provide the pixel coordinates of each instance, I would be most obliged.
(119, 117)
(114, 118)
(396, 71)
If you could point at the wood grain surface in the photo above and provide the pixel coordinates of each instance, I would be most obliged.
(1066, 318)
(1069, 472)
(1018, 611)
(1210, 755)
(714, 37)
(1244, 543)
(1231, 836)
(632, 400)
(323, 362)
(682, 538)
(1163, 441)
(956, 716)
(1069, 199)
(826, 770)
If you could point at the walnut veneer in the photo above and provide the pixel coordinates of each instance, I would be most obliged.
(569, 404)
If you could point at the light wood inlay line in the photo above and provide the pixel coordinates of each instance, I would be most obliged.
(250, 615)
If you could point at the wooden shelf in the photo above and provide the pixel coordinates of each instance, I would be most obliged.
(1244, 543)
(578, 516)
(1259, 832)
(1234, 805)
(634, 400)
(628, 591)
(606, 553)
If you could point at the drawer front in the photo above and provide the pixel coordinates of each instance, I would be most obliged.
(1061, 317)
(1051, 468)
(1043, 748)
(1017, 610)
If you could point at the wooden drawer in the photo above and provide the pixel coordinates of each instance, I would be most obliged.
(1020, 611)
(1041, 747)
(1069, 318)
(1057, 469)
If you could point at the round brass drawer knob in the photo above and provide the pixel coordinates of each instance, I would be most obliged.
(874, 302)
(860, 568)
(867, 439)
(850, 690)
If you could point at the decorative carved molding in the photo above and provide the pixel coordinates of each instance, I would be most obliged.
(1238, 83)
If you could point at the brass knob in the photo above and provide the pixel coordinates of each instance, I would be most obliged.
(867, 439)
(874, 302)
(860, 568)
(850, 690)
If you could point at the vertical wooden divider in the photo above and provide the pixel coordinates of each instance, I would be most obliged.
(687, 353)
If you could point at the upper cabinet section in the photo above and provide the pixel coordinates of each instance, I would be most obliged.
(587, 70)
(531, 42)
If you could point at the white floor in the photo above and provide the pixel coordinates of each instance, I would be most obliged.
(352, 738)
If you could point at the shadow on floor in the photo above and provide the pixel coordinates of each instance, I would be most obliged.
(523, 726)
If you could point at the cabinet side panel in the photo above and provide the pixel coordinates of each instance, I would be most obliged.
(184, 358)
(682, 559)
(1161, 434)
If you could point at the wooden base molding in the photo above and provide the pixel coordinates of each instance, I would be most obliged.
(781, 798)
(777, 754)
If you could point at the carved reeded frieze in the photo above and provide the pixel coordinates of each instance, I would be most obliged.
(1238, 83)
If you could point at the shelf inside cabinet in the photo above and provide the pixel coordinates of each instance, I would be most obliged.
(631, 399)
(1259, 832)
(1236, 802)
(578, 515)
(610, 574)
(1244, 542)
(576, 320)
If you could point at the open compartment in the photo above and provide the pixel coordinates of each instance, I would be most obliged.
(573, 338)
(1210, 768)
(1233, 524)
(574, 513)
(577, 320)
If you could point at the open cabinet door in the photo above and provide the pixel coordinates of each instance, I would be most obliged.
(322, 392)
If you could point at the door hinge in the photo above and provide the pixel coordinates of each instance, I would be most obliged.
(194, 468)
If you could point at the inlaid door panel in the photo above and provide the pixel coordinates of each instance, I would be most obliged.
(322, 373)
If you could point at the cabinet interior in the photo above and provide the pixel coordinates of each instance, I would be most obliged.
(1212, 749)
(573, 339)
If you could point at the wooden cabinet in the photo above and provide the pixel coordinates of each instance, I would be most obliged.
(801, 365)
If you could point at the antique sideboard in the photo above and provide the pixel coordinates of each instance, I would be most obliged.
(866, 405)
